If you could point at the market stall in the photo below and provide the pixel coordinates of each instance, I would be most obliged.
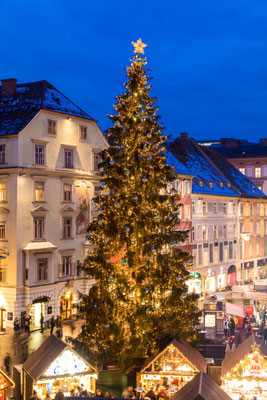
(201, 387)
(55, 365)
(244, 371)
(172, 367)
(5, 383)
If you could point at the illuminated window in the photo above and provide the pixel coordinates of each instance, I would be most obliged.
(39, 154)
(204, 232)
(96, 162)
(83, 132)
(2, 231)
(186, 212)
(67, 228)
(39, 191)
(242, 170)
(42, 269)
(2, 154)
(216, 256)
(67, 192)
(38, 223)
(52, 127)
(257, 172)
(68, 156)
(2, 192)
(205, 257)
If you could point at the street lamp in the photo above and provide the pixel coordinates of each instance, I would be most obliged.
(245, 236)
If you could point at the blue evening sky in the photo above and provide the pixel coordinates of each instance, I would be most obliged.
(208, 57)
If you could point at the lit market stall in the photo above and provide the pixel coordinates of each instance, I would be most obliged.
(244, 372)
(55, 365)
(172, 367)
(5, 383)
(201, 387)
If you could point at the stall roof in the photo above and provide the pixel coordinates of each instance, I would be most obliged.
(188, 351)
(5, 381)
(201, 387)
(40, 360)
(241, 351)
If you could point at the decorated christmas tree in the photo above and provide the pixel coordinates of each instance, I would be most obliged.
(140, 299)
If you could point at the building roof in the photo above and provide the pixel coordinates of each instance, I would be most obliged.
(5, 381)
(235, 148)
(188, 351)
(201, 387)
(18, 110)
(213, 174)
(241, 351)
(41, 359)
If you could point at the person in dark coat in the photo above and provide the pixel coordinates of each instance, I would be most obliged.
(16, 326)
(42, 323)
(59, 395)
(232, 327)
(52, 324)
(249, 329)
(265, 334)
(151, 394)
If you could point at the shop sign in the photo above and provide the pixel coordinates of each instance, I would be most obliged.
(67, 363)
(249, 310)
(194, 275)
(210, 320)
(249, 264)
(261, 262)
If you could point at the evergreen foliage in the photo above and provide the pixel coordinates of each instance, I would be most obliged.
(140, 299)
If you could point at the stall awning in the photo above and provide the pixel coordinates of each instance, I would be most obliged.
(5, 381)
(258, 296)
(40, 246)
(234, 309)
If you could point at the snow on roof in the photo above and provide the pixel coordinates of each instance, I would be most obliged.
(17, 111)
(213, 174)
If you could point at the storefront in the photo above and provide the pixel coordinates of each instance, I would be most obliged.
(262, 269)
(210, 281)
(37, 309)
(231, 275)
(221, 279)
(5, 383)
(55, 365)
(244, 371)
(173, 367)
(194, 283)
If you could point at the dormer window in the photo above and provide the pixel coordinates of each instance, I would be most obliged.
(210, 185)
(221, 185)
(200, 184)
(52, 127)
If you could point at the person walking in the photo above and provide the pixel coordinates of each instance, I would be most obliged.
(7, 363)
(42, 323)
(59, 395)
(232, 327)
(249, 329)
(265, 334)
(52, 324)
(27, 320)
(16, 327)
(225, 328)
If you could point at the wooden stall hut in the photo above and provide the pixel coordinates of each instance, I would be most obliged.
(244, 371)
(201, 387)
(5, 383)
(172, 367)
(53, 366)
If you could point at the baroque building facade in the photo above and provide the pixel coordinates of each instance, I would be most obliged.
(49, 155)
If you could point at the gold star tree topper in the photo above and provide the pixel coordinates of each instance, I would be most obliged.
(139, 46)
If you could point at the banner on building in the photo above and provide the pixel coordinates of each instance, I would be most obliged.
(83, 208)
(234, 309)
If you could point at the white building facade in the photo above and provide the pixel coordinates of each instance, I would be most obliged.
(48, 177)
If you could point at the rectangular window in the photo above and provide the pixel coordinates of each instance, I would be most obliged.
(67, 192)
(42, 269)
(234, 208)
(205, 257)
(186, 212)
(204, 207)
(230, 250)
(224, 231)
(2, 192)
(200, 255)
(241, 227)
(211, 253)
(187, 188)
(216, 258)
(67, 228)
(251, 208)
(193, 207)
(221, 252)
(193, 233)
(52, 127)
(2, 231)
(225, 254)
(204, 232)
(66, 266)
(242, 170)
(96, 162)
(68, 156)
(2, 154)
(83, 132)
(241, 208)
(258, 227)
(234, 230)
(39, 154)
(215, 232)
(258, 208)
(257, 172)
(214, 208)
(38, 228)
(224, 208)
(258, 248)
(38, 191)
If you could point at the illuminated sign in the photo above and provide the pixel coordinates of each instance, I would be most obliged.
(67, 363)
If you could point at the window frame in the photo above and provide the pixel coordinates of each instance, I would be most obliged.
(67, 158)
(45, 276)
(66, 227)
(3, 154)
(34, 191)
(82, 135)
(67, 194)
(52, 130)
(36, 228)
(3, 191)
(3, 231)
(96, 154)
(257, 172)
(38, 156)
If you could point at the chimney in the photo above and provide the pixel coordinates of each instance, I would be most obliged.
(184, 135)
(9, 87)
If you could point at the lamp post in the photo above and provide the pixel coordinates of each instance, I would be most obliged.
(245, 236)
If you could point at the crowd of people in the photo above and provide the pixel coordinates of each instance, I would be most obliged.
(24, 325)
